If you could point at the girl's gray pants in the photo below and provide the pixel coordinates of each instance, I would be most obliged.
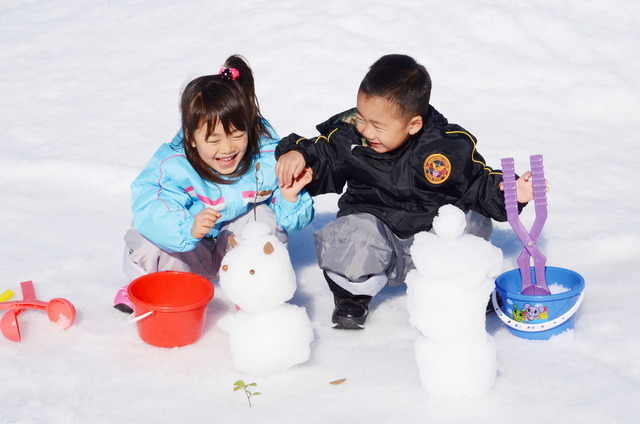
(142, 257)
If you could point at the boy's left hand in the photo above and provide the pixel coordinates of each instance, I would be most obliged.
(290, 193)
(524, 187)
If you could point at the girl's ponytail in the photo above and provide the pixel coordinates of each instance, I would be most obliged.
(245, 79)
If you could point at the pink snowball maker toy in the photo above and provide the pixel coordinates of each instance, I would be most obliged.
(60, 311)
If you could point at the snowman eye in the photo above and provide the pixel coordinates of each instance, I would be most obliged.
(252, 272)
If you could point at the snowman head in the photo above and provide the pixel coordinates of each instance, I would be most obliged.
(256, 274)
(450, 222)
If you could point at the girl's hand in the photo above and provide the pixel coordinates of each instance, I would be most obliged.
(204, 222)
(524, 187)
(290, 193)
(289, 167)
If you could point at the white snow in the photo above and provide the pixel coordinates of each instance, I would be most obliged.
(456, 370)
(269, 342)
(253, 279)
(449, 223)
(267, 335)
(446, 298)
(89, 89)
(556, 288)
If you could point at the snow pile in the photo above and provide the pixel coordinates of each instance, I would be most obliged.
(447, 295)
(90, 89)
(556, 288)
(266, 335)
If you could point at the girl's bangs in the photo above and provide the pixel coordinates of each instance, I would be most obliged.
(231, 114)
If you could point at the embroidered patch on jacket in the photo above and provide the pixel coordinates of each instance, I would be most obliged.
(437, 168)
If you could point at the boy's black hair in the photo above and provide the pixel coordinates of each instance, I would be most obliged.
(210, 99)
(401, 81)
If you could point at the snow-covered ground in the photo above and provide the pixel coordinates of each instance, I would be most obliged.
(89, 89)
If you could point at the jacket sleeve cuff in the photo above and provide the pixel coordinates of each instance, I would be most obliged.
(189, 241)
(293, 216)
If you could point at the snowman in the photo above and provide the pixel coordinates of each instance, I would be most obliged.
(267, 335)
(447, 294)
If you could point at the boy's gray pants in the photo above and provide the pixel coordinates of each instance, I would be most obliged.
(361, 254)
(142, 257)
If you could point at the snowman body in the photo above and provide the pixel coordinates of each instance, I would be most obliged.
(267, 335)
(447, 295)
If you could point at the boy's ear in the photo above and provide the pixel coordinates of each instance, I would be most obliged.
(415, 124)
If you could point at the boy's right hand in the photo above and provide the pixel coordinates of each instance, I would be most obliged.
(289, 167)
(204, 222)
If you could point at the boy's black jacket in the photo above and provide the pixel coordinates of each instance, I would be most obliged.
(404, 188)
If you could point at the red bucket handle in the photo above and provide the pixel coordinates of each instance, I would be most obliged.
(133, 319)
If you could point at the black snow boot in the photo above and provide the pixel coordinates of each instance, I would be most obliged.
(351, 311)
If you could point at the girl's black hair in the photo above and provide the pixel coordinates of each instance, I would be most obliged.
(210, 99)
(401, 81)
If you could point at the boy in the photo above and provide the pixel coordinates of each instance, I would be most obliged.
(401, 160)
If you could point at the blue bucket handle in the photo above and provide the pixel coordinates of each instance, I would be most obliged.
(542, 326)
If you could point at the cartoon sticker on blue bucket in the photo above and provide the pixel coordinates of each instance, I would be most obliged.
(528, 312)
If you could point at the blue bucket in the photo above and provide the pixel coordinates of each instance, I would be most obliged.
(539, 317)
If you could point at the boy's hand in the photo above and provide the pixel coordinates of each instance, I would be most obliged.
(524, 187)
(290, 193)
(289, 167)
(204, 222)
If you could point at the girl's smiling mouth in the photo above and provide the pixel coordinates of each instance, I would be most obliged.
(226, 161)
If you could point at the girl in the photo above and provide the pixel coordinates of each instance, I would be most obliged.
(216, 175)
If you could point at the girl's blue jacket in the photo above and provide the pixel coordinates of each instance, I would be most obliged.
(169, 193)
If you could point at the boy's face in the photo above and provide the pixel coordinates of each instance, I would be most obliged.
(379, 122)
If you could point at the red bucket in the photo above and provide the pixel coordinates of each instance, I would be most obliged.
(170, 307)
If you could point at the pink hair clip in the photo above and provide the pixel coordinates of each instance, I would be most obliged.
(229, 73)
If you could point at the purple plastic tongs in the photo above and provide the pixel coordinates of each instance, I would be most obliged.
(528, 239)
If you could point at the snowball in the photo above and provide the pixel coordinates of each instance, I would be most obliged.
(268, 342)
(465, 260)
(456, 370)
(254, 230)
(450, 222)
(63, 322)
(445, 312)
(257, 274)
(556, 288)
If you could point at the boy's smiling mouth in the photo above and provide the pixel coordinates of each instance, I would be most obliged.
(374, 146)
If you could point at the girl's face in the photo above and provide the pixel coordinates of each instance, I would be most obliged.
(222, 152)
